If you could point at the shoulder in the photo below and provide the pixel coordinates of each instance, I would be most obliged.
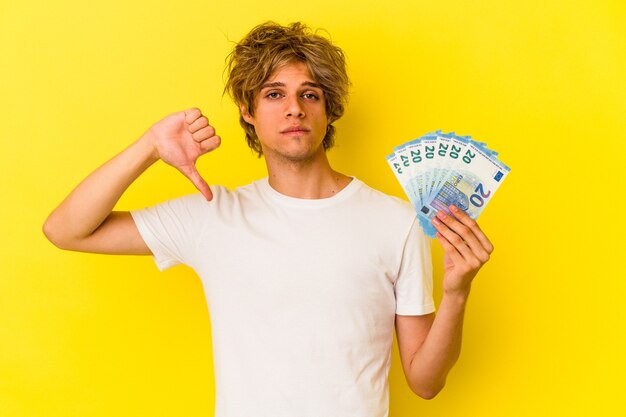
(196, 205)
(221, 195)
(384, 202)
(382, 210)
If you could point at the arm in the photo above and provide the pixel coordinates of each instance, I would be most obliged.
(430, 345)
(85, 222)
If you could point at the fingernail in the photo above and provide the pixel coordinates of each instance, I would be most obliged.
(441, 215)
(436, 221)
(454, 209)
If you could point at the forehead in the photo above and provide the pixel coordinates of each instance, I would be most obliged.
(291, 73)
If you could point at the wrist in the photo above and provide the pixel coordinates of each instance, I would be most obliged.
(458, 296)
(146, 147)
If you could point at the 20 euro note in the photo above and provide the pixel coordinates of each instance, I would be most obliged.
(408, 164)
(462, 172)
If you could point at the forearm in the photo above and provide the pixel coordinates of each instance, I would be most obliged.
(93, 200)
(440, 350)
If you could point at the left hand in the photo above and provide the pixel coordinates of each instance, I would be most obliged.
(466, 249)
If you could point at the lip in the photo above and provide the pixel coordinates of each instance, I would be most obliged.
(295, 130)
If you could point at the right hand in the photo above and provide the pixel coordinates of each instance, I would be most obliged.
(180, 139)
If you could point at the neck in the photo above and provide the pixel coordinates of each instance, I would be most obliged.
(310, 179)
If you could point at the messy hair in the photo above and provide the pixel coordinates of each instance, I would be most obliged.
(268, 47)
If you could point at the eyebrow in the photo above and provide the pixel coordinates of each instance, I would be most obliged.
(280, 84)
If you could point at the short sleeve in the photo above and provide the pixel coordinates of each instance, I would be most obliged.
(170, 229)
(414, 285)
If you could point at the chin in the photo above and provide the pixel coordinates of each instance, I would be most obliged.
(296, 154)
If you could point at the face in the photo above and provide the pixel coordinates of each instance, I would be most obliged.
(290, 115)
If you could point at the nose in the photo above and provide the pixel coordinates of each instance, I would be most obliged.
(293, 107)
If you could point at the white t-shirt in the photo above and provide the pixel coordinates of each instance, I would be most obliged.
(302, 293)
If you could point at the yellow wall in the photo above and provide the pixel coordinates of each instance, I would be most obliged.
(542, 82)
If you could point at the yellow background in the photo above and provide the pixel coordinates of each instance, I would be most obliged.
(542, 82)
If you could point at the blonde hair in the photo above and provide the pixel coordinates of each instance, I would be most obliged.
(269, 46)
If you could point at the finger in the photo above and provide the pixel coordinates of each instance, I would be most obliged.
(203, 134)
(200, 123)
(466, 233)
(453, 238)
(473, 225)
(210, 144)
(194, 176)
(192, 114)
(449, 248)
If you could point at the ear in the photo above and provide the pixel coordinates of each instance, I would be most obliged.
(245, 114)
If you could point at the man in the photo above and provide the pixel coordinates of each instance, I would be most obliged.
(305, 271)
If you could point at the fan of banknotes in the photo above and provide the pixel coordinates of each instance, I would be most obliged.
(440, 169)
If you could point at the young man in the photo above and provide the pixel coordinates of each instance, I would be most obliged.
(305, 271)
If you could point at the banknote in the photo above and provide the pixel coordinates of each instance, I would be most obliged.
(408, 164)
(440, 169)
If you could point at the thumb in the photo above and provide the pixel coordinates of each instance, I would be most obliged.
(194, 176)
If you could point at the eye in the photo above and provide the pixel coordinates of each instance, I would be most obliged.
(310, 96)
(273, 95)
